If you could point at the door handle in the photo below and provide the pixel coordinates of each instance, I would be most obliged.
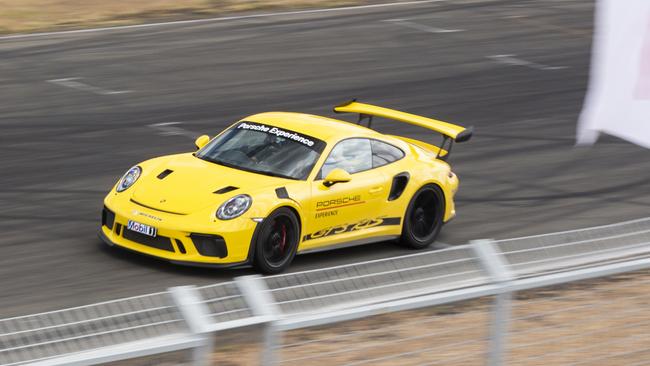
(376, 190)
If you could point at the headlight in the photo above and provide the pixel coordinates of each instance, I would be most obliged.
(234, 207)
(129, 178)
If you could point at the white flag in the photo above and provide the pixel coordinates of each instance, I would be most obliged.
(618, 99)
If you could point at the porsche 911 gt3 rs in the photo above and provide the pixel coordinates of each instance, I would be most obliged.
(278, 184)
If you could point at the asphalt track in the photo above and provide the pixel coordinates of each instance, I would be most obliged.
(63, 143)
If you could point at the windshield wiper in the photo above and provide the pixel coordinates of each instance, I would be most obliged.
(220, 162)
(274, 174)
(265, 172)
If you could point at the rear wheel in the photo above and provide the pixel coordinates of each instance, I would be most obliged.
(277, 241)
(424, 217)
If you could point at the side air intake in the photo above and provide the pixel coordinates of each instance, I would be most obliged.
(399, 184)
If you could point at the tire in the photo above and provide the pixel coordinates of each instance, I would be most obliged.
(277, 241)
(424, 217)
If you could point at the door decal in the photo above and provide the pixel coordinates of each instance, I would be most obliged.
(338, 202)
(360, 225)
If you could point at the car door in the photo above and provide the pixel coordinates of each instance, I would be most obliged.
(347, 210)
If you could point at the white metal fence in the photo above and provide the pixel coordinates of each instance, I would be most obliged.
(489, 302)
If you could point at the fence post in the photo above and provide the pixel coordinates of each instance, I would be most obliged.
(195, 313)
(261, 303)
(496, 267)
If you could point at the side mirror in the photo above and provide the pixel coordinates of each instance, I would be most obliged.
(337, 175)
(201, 141)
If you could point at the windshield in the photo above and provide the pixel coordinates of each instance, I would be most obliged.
(264, 149)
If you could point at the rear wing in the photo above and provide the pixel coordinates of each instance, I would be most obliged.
(449, 132)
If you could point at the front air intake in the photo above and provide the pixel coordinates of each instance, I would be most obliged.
(158, 242)
(108, 218)
(210, 245)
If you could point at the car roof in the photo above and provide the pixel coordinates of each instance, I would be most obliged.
(326, 129)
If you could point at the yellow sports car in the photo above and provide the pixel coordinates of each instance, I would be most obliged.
(276, 184)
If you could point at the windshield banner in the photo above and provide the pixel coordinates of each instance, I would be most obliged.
(291, 135)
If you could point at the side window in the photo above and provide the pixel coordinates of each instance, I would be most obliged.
(351, 155)
(383, 153)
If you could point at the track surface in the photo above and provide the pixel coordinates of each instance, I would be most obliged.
(63, 144)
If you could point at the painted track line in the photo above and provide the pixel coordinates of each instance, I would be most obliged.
(74, 84)
(512, 60)
(172, 129)
(424, 28)
(219, 19)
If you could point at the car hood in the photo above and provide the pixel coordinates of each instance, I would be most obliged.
(193, 184)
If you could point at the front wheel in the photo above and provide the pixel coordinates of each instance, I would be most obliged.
(277, 241)
(424, 217)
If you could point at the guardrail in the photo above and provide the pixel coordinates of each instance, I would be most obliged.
(187, 319)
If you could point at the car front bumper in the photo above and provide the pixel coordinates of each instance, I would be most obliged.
(179, 239)
(108, 242)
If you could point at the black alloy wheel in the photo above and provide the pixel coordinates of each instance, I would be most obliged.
(277, 241)
(424, 217)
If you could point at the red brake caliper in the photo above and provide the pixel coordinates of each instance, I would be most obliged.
(284, 237)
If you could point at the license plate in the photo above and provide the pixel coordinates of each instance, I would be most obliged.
(141, 228)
